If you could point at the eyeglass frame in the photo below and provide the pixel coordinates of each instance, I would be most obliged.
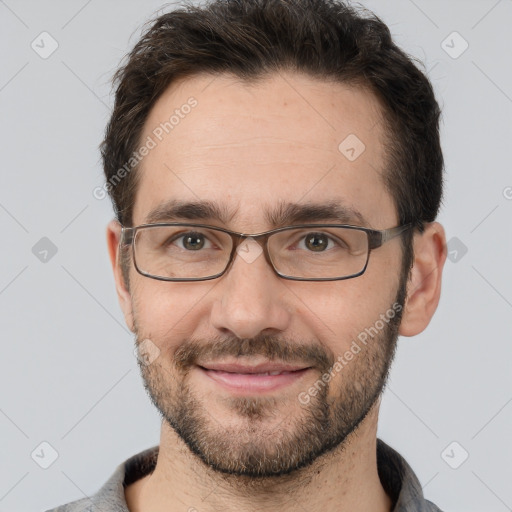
(376, 238)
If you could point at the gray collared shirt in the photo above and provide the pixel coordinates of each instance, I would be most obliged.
(397, 478)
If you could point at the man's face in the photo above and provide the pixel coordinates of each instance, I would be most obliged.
(250, 149)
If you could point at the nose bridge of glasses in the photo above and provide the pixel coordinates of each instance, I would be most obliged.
(259, 238)
(249, 247)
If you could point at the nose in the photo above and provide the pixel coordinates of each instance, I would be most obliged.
(251, 297)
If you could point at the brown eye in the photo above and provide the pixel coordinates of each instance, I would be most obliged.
(317, 242)
(193, 241)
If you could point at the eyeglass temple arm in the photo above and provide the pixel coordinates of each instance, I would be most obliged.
(126, 235)
(377, 238)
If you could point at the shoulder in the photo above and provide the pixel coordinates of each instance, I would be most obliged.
(82, 505)
(111, 496)
(431, 507)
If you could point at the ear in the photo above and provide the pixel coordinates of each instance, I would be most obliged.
(424, 285)
(123, 295)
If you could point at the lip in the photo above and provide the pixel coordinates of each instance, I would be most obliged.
(242, 379)
(251, 369)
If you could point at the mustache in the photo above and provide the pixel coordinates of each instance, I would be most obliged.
(271, 347)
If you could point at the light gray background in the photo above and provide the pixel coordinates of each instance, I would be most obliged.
(68, 373)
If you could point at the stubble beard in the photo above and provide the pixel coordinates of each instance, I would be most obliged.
(261, 443)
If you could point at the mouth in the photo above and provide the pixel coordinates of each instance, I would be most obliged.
(240, 378)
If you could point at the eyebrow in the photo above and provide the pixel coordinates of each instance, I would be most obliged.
(284, 214)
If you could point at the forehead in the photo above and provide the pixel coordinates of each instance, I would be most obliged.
(253, 147)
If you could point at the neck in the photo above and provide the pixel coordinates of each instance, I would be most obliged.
(344, 480)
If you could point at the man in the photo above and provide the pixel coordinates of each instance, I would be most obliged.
(301, 126)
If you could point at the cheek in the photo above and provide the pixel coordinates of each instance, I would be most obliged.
(168, 312)
(331, 314)
(342, 310)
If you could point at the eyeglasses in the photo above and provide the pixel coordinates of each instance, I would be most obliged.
(310, 252)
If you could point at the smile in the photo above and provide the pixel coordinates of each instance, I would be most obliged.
(244, 379)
